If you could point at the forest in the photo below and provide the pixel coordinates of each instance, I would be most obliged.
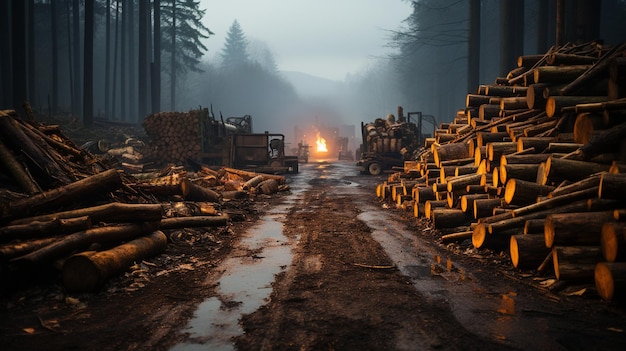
(123, 60)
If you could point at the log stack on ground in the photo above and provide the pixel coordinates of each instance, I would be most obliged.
(554, 162)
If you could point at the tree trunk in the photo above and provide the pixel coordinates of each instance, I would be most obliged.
(98, 184)
(522, 193)
(156, 68)
(528, 251)
(88, 65)
(574, 262)
(521, 171)
(554, 104)
(80, 240)
(559, 169)
(88, 271)
(17, 171)
(38, 229)
(575, 228)
(449, 218)
(114, 212)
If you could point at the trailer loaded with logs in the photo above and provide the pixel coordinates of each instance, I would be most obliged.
(387, 143)
(533, 167)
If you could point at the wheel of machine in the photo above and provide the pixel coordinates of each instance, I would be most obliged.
(374, 168)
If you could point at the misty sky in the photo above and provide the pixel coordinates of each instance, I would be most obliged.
(325, 38)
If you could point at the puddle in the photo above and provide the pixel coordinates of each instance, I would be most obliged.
(246, 281)
(243, 287)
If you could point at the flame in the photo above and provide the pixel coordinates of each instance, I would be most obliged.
(321, 144)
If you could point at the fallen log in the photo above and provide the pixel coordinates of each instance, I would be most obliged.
(88, 271)
(12, 250)
(523, 192)
(17, 171)
(527, 251)
(456, 237)
(95, 185)
(575, 228)
(193, 221)
(610, 278)
(554, 104)
(111, 213)
(575, 262)
(249, 175)
(449, 218)
(612, 186)
(521, 171)
(558, 169)
(38, 229)
(607, 139)
(82, 239)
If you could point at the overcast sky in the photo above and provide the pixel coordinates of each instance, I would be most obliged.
(324, 38)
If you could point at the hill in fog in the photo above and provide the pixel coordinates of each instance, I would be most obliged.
(311, 86)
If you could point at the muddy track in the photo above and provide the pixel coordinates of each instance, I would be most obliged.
(343, 292)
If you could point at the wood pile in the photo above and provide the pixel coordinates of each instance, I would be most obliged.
(174, 136)
(533, 165)
(389, 136)
(62, 209)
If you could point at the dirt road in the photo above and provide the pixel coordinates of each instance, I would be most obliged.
(325, 267)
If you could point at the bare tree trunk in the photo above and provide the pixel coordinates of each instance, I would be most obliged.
(173, 60)
(32, 94)
(76, 108)
(156, 66)
(473, 46)
(88, 65)
(55, 56)
(5, 55)
(107, 62)
(142, 93)
(19, 53)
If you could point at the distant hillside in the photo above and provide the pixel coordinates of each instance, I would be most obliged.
(308, 85)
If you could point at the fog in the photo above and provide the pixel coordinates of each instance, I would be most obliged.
(298, 68)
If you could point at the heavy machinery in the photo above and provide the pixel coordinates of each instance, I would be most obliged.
(261, 152)
(231, 143)
(387, 143)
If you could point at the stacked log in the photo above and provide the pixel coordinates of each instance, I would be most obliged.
(389, 136)
(541, 166)
(174, 136)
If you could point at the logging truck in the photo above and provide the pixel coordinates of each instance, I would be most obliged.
(386, 144)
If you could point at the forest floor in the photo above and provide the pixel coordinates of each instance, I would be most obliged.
(360, 276)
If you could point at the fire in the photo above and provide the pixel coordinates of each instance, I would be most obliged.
(321, 144)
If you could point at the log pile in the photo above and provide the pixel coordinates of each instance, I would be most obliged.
(174, 136)
(63, 209)
(532, 166)
(389, 136)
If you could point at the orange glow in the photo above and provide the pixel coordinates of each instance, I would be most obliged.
(321, 144)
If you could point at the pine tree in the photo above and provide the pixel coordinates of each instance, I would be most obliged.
(235, 51)
(181, 38)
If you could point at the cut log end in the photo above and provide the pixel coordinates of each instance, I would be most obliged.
(604, 281)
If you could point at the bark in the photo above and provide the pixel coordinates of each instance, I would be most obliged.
(37, 229)
(554, 104)
(575, 228)
(110, 212)
(88, 271)
(521, 192)
(592, 181)
(456, 237)
(95, 185)
(82, 239)
(574, 262)
(522, 171)
(559, 169)
(17, 171)
(431, 205)
(605, 140)
(558, 74)
(193, 221)
(527, 251)
(449, 218)
(484, 207)
(467, 201)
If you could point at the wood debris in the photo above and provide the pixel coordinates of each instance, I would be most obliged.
(65, 207)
